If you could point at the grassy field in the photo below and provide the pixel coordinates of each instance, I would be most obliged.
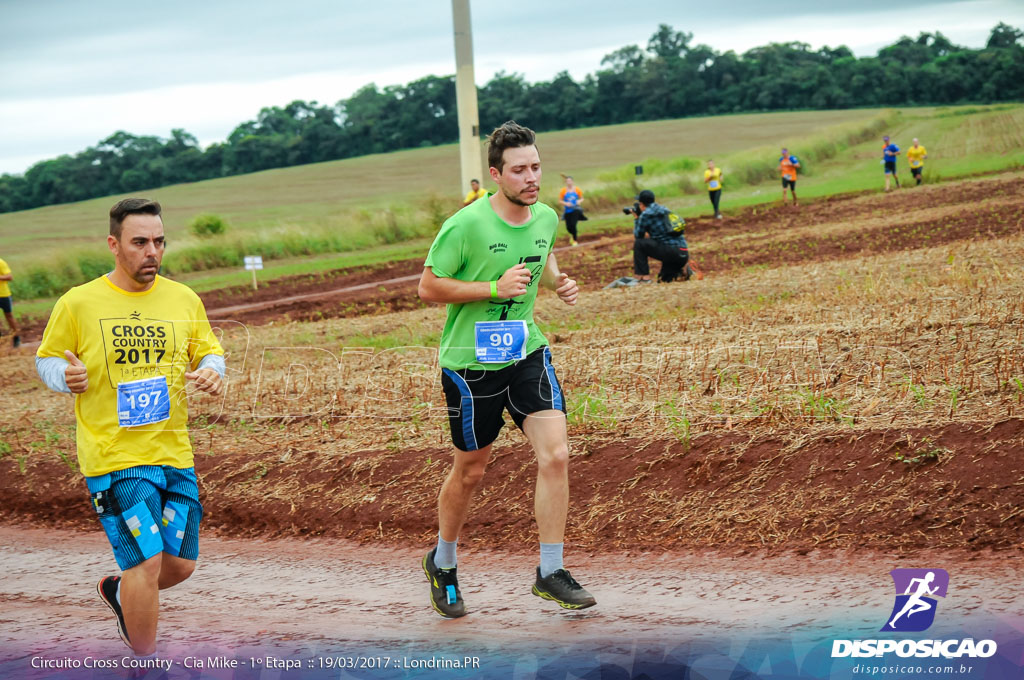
(848, 375)
(386, 207)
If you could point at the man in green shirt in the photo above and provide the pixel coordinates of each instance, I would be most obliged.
(487, 264)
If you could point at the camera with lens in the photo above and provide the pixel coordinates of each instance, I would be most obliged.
(634, 211)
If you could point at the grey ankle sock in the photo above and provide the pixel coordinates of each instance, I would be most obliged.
(445, 557)
(550, 558)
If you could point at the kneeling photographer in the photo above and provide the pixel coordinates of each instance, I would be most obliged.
(665, 243)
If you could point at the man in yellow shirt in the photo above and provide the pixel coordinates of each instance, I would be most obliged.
(476, 191)
(126, 344)
(713, 178)
(916, 155)
(6, 301)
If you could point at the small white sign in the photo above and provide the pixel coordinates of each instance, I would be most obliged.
(253, 262)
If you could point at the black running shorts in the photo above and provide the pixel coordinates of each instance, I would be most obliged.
(890, 167)
(5, 305)
(916, 172)
(789, 183)
(477, 398)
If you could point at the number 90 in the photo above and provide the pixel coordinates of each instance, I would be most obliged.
(501, 339)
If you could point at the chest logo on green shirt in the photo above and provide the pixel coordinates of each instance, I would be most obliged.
(535, 265)
(136, 347)
(498, 247)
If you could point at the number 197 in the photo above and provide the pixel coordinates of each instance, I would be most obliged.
(145, 398)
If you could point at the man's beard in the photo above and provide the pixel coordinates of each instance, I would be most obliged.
(518, 201)
(139, 277)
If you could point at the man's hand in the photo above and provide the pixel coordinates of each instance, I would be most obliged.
(566, 289)
(75, 375)
(206, 380)
(513, 282)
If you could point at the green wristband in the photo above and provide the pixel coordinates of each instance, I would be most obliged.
(494, 290)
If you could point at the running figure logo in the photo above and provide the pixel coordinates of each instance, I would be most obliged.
(535, 272)
(915, 605)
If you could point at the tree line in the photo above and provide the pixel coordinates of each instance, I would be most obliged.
(669, 78)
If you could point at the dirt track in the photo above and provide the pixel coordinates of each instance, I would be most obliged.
(322, 594)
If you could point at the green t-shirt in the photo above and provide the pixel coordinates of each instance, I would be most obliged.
(475, 244)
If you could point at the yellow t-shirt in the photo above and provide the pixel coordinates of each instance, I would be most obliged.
(5, 288)
(916, 156)
(473, 195)
(122, 336)
(713, 178)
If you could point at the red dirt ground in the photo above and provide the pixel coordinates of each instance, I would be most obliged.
(848, 490)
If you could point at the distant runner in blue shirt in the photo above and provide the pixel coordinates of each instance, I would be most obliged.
(889, 154)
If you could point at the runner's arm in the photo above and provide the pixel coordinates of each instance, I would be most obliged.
(550, 275)
(7, 277)
(213, 362)
(208, 374)
(51, 370)
(434, 288)
(559, 282)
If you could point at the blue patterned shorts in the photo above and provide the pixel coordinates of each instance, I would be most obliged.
(148, 509)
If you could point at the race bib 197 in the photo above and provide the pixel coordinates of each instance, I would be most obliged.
(500, 341)
(143, 402)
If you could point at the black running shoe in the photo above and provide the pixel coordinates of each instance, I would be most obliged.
(17, 341)
(562, 588)
(444, 589)
(107, 589)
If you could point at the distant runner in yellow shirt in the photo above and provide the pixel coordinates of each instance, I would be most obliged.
(476, 191)
(916, 155)
(713, 178)
(126, 344)
(5, 301)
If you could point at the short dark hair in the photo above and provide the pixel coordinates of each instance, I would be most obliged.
(474, 180)
(646, 197)
(509, 135)
(130, 206)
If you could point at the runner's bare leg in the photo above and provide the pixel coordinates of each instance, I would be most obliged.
(547, 433)
(457, 490)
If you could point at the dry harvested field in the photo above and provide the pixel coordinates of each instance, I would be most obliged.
(848, 375)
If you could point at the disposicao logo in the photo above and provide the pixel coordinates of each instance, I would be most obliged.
(916, 590)
(914, 611)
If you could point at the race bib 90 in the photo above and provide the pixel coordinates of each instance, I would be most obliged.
(143, 402)
(500, 341)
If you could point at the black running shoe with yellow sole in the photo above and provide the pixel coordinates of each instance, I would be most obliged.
(445, 596)
(107, 589)
(562, 588)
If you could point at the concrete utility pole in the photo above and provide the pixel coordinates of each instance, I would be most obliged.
(465, 95)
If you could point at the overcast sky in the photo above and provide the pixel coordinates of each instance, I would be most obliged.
(73, 72)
